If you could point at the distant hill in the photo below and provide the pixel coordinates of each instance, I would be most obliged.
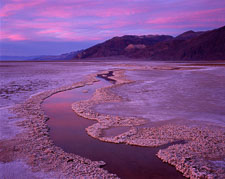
(17, 58)
(66, 56)
(209, 45)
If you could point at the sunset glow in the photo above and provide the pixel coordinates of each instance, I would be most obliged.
(95, 21)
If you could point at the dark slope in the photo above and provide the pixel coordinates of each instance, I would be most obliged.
(118, 45)
(188, 35)
(208, 46)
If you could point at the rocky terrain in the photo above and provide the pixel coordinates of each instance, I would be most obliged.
(208, 45)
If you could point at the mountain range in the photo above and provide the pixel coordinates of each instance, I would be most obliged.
(190, 45)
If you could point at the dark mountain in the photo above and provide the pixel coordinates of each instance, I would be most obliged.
(188, 35)
(209, 45)
(121, 45)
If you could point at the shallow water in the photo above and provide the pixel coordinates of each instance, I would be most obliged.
(68, 132)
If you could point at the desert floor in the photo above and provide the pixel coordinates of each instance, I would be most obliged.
(151, 104)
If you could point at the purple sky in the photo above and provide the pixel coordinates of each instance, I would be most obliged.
(37, 27)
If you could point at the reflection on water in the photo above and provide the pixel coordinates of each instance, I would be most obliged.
(68, 132)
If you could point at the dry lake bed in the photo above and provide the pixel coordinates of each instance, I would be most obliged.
(111, 119)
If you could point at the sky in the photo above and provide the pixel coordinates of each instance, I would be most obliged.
(51, 27)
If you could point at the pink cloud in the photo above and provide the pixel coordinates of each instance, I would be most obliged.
(69, 11)
(76, 20)
(60, 12)
(67, 34)
(41, 29)
(116, 24)
(17, 5)
(11, 36)
(39, 24)
(115, 11)
(202, 16)
(49, 31)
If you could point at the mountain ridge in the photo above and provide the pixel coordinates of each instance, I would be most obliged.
(190, 45)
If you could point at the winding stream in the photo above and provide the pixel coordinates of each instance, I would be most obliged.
(68, 132)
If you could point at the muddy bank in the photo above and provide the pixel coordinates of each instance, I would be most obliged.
(38, 150)
(124, 160)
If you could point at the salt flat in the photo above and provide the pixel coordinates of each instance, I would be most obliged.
(157, 95)
(176, 101)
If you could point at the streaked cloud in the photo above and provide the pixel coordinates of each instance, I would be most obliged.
(88, 20)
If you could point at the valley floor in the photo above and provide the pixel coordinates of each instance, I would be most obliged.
(151, 104)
